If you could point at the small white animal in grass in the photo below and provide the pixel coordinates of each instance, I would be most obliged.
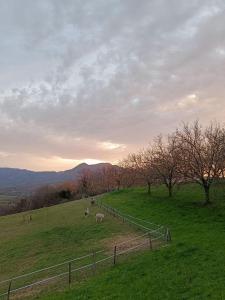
(99, 217)
(87, 212)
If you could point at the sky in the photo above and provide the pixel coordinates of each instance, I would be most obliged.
(91, 81)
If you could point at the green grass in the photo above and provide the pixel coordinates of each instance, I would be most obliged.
(55, 234)
(192, 267)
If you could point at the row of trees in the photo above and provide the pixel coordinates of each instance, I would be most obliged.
(106, 179)
(44, 196)
(191, 153)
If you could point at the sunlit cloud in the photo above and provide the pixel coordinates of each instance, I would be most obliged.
(111, 146)
(221, 52)
(3, 155)
(189, 101)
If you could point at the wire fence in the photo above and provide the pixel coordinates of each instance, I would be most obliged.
(141, 224)
(151, 236)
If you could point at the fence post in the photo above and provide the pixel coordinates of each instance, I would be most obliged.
(168, 235)
(69, 273)
(94, 262)
(9, 289)
(164, 230)
(114, 257)
(150, 241)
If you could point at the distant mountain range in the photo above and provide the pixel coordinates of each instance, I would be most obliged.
(17, 181)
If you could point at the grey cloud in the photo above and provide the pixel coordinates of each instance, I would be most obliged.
(78, 74)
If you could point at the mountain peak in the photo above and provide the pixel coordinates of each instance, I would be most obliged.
(82, 165)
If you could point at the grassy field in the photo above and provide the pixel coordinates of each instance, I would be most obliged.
(55, 234)
(6, 199)
(192, 267)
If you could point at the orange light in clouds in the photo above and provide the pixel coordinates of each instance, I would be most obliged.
(64, 163)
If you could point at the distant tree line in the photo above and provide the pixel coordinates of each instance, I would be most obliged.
(106, 179)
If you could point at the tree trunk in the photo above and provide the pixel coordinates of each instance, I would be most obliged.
(118, 185)
(207, 197)
(170, 188)
(149, 188)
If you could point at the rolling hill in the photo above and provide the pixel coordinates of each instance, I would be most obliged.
(14, 181)
(56, 234)
(191, 267)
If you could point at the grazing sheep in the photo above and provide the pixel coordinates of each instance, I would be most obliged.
(99, 217)
(92, 201)
(87, 212)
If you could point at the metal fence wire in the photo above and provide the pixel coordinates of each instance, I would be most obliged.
(79, 268)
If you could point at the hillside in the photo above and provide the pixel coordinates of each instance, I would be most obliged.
(53, 236)
(192, 267)
(14, 181)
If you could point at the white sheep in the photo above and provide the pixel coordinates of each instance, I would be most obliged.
(92, 201)
(87, 212)
(99, 217)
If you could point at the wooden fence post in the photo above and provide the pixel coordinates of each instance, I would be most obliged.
(168, 235)
(114, 257)
(94, 262)
(9, 289)
(69, 273)
(150, 241)
(165, 235)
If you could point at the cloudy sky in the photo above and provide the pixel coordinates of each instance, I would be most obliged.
(93, 80)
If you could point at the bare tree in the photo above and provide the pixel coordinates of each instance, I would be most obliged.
(128, 172)
(143, 166)
(202, 154)
(85, 183)
(118, 175)
(107, 178)
(165, 161)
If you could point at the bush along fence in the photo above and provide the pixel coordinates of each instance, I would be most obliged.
(150, 236)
